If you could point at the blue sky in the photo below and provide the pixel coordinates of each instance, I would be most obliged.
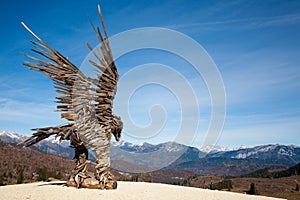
(254, 44)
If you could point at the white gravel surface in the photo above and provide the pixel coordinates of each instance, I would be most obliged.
(125, 191)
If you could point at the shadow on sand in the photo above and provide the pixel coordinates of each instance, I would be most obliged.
(53, 183)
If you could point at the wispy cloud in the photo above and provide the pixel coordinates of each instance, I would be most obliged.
(26, 115)
(242, 23)
(261, 75)
(254, 130)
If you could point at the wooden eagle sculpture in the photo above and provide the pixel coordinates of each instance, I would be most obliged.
(86, 103)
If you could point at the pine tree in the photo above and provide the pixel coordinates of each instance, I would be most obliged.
(42, 174)
(1, 181)
(253, 189)
(20, 177)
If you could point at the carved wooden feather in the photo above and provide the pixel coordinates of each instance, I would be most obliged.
(84, 101)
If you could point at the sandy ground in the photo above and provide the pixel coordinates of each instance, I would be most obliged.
(125, 191)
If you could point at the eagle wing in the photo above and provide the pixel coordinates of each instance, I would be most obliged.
(76, 90)
(107, 76)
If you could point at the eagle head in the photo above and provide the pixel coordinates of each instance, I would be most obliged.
(117, 127)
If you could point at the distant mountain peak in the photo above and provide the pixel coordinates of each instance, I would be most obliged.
(10, 134)
(51, 145)
(10, 137)
(210, 159)
(213, 148)
(266, 151)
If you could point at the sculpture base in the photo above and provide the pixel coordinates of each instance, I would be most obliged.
(92, 183)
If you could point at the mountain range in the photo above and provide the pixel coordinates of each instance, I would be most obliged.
(211, 160)
(51, 146)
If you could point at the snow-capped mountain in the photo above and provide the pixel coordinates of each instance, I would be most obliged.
(152, 156)
(171, 147)
(143, 147)
(224, 161)
(243, 161)
(171, 155)
(10, 137)
(259, 151)
(50, 145)
(213, 148)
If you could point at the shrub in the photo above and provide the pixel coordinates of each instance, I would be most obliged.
(225, 184)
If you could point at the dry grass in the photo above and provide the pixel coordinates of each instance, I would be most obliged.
(281, 187)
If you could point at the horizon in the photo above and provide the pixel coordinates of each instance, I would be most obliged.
(227, 148)
(254, 46)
